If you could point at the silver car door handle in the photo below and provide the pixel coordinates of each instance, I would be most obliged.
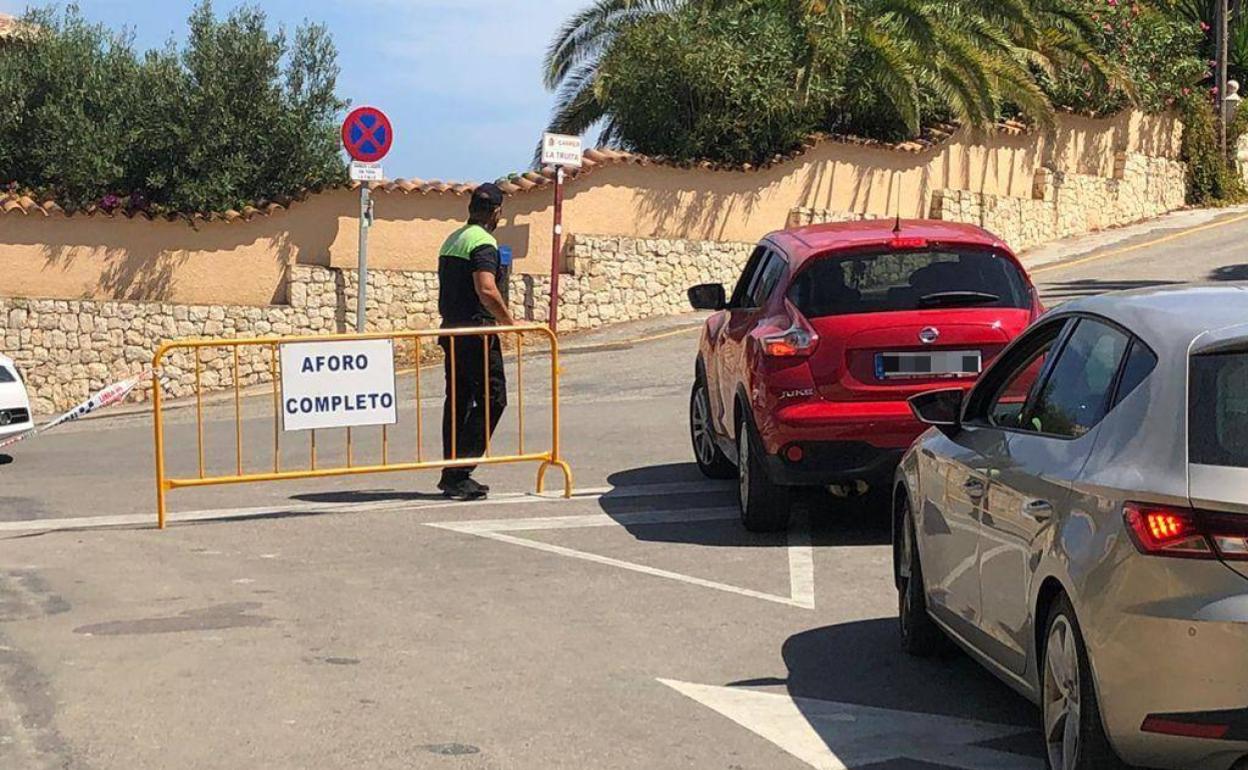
(974, 487)
(1040, 510)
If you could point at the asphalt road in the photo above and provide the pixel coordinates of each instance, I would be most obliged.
(367, 623)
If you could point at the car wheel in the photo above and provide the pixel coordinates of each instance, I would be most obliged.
(920, 636)
(764, 505)
(713, 463)
(1074, 735)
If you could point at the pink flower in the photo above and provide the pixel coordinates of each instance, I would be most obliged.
(1113, 3)
(1205, 27)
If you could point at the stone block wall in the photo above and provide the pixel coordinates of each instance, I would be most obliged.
(68, 349)
(1064, 204)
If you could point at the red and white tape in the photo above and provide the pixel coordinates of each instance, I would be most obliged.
(112, 395)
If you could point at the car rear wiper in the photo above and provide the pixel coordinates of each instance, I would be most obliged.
(954, 298)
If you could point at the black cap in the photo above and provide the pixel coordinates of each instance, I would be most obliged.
(487, 197)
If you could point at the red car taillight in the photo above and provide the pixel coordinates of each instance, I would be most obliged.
(799, 340)
(1186, 533)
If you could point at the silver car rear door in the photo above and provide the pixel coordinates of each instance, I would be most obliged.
(1033, 489)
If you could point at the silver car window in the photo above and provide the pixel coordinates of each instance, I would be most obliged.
(1076, 395)
(6, 376)
(1218, 426)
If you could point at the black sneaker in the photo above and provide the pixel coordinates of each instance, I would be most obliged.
(467, 489)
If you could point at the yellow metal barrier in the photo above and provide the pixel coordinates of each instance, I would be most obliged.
(547, 459)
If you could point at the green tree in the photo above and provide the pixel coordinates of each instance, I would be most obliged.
(1202, 15)
(732, 80)
(1158, 54)
(237, 115)
(969, 58)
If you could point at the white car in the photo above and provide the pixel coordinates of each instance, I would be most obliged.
(14, 403)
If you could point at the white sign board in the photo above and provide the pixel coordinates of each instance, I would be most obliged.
(338, 384)
(366, 172)
(560, 150)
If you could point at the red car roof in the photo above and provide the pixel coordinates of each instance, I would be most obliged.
(803, 242)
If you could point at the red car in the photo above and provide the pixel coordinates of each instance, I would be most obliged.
(804, 372)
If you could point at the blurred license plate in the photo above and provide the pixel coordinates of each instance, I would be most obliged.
(938, 363)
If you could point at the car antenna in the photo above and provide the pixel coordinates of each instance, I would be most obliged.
(897, 198)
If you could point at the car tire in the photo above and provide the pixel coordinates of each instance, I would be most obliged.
(713, 463)
(1068, 698)
(920, 636)
(765, 507)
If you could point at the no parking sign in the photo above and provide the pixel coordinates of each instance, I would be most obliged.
(367, 134)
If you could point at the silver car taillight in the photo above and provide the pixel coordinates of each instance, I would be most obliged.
(1159, 530)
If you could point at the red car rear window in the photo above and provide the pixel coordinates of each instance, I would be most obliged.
(890, 281)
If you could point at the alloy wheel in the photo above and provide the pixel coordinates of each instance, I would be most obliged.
(1062, 695)
(703, 442)
(903, 561)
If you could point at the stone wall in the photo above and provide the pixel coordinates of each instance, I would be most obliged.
(1064, 204)
(68, 349)
(241, 257)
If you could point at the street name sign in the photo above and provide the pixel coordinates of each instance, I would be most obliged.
(560, 150)
(367, 135)
(341, 384)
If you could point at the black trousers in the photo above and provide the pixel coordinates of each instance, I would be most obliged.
(479, 379)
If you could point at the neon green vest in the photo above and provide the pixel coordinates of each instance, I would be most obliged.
(466, 240)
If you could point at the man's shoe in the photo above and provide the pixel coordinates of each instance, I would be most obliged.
(484, 489)
(465, 490)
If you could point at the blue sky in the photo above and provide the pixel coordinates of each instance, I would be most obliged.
(460, 79)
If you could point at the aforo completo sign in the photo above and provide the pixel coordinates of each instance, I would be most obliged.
(338, 384)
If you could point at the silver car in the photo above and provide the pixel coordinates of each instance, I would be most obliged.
(1078, 523)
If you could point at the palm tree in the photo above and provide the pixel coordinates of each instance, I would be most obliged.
(974, 55)
(575, 55)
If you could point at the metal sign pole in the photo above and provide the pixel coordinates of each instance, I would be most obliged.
(556, 251)
(1221, 27)
(366, 219)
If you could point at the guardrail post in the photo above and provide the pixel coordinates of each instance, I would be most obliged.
(158, 422)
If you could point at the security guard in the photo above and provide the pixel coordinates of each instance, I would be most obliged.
(471, 280)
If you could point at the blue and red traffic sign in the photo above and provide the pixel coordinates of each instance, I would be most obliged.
(367, 134)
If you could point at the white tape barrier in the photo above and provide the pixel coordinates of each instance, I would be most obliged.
(112, 395)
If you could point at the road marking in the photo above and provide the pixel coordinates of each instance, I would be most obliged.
(309, 508)
(801, 556)
(1138, 246)
(837, 736)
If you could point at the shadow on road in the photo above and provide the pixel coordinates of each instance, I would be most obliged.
(861, 663)
(1230, 273)
(347, 497)
(712, 518)
(1061, 291)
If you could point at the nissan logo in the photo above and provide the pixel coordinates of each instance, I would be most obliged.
(929, 335)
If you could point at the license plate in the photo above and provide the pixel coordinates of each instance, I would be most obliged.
(937, 363)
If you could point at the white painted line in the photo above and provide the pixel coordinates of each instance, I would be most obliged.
(838, 736)
(800, 552)
(801, 569)
(309, 508)
(641, 568)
